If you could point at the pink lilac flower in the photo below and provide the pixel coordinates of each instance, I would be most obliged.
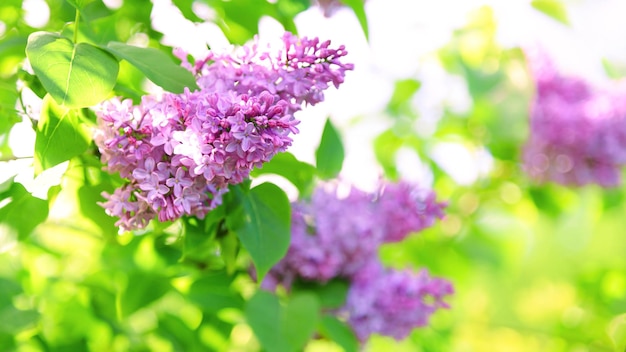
(393, 302)
(180, 152)
(577, 130)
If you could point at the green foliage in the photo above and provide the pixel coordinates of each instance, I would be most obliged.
(261, 218)
(552, 8)
(156, 66)
(358, 6)
(60, 135)
(282, 327)
(329, 154)
(23, 212)
(299, 173)
(535, 266)
(75, 75)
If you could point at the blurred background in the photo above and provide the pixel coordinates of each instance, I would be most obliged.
(440, 95)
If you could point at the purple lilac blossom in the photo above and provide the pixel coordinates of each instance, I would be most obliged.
(392, 302)
(334, 236)
(180, 152)
(577, 130)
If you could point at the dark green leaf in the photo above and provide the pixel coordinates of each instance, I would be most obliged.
(75, 75)
(156, 65)
(262, 225)
(552, 8)
(329, 154)
(60, 136)
(24, 212)
(299, 173)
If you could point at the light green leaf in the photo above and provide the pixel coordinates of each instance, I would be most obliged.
(336, 330)
(75, 75)
(263, 224)
(329, 154)
(59, 137)
(617, 332)
(358, 6)
(156, 65)
(552, 8)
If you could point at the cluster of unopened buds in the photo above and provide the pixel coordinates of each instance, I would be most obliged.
(179, 152)
(577, 129)
(338, 237)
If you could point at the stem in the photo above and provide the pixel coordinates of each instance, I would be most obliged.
(76, 26)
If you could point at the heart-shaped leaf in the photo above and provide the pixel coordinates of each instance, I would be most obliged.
(263, 225)
(282, 328)
(75, 75)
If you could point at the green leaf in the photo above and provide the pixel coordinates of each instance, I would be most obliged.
(299, 320)
(331, 294)
(156, 65)
(552, 8)
(329, 154)
(14, 321)
(614, 70)
(282, 328)
(617, 332)
(403, 91)
(358, 6)
(263, 314)
(75, 75)
(262, 224)
(79, 4)
(213, 292)
(336, 330)
(59, 135)
(24, 212)
(299, 173)
(142, 289)
(186, 8)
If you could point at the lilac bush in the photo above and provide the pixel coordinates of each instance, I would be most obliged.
(179, 152)
(336, 236)
(577, 130)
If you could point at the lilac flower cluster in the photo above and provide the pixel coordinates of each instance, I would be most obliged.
(577, 131)
(339, 237)
(180, 152)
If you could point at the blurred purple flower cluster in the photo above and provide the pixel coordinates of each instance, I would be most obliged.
(336, 236)
(577, 130)
(179, 152)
